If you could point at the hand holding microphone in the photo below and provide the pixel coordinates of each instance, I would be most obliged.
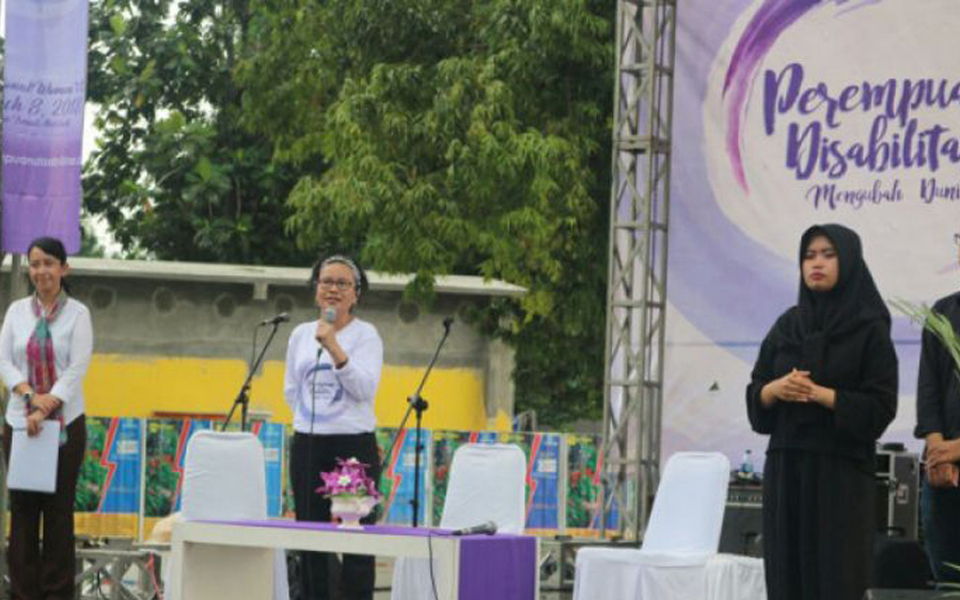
(325, 326)
(327, 337)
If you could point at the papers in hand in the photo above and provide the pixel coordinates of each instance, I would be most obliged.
(33, 460)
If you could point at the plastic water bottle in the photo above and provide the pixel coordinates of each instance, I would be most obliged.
(746, 465)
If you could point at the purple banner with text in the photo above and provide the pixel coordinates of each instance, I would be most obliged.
(44, 93)
(787, 114)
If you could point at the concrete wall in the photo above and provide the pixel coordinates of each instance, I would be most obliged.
(176, 338)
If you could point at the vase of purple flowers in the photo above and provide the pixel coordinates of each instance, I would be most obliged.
(352, 493)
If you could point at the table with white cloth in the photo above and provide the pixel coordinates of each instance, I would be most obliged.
(233, 559)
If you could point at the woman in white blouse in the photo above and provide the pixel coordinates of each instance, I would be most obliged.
(45, 346)
(333, 369)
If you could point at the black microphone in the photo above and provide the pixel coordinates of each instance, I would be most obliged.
(281, 318)
(488, 528)
(447, 323)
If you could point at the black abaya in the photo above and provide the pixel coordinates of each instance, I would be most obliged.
(818, 509)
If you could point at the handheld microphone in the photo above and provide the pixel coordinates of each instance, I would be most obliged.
(327, 315)
(281, 318)
(488, 528)
(447, 323)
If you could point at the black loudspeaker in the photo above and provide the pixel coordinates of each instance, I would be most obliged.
(902, 595)
(900, 564)
(898, 483)
(742, 531)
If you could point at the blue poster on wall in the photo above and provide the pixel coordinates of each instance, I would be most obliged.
(123, 454)
(396, 481)
(584, 487)
(271, 435)
(543, 482)
(109, 480)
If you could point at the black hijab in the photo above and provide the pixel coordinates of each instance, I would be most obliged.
(824, 316)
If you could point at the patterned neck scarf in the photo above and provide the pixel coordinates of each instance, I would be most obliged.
(41, 360)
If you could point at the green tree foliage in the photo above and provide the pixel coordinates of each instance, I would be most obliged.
(432, 136)
(90, 245)
(460, 137)
(175, 174)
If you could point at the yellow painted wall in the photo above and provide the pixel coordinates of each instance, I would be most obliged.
(139, 386)
(110, 524)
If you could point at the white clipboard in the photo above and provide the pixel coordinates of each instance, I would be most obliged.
(33, 460)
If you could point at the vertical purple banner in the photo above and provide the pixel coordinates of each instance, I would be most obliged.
(44, 93)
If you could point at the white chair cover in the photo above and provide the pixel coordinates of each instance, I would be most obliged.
(618, 567)
(628, 575)
(731, 577)
(487, 483)
(680, 544)
(688, 509)
(225, 479)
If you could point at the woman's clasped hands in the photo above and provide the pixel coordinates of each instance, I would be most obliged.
(797, 386)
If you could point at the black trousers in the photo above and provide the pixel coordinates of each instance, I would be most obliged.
(311, 455)
(47, 572)
(940, 516)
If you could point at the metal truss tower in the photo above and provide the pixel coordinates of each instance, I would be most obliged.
(637, 284)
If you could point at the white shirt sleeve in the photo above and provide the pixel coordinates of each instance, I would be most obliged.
(361, 375)
(69, 383)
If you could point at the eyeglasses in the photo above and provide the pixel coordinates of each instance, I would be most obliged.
(341, 284)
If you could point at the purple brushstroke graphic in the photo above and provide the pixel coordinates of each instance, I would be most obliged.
(729, 314)
(772, 19)
(856, 5)
(44, 94)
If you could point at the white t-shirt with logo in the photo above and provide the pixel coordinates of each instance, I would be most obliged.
(339, 400)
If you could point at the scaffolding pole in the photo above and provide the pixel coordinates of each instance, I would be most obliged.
(637, 277)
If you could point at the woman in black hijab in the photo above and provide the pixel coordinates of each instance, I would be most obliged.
(824, 388)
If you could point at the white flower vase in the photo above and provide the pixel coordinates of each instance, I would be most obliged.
(350, 509)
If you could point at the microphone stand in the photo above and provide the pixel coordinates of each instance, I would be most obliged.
(418, 404)
(243, 398)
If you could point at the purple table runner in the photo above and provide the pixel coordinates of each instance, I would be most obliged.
(501, 566)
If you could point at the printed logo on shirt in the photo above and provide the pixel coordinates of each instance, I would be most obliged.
(325, 394)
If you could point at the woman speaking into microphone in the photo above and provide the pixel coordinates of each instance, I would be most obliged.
(332, 372)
